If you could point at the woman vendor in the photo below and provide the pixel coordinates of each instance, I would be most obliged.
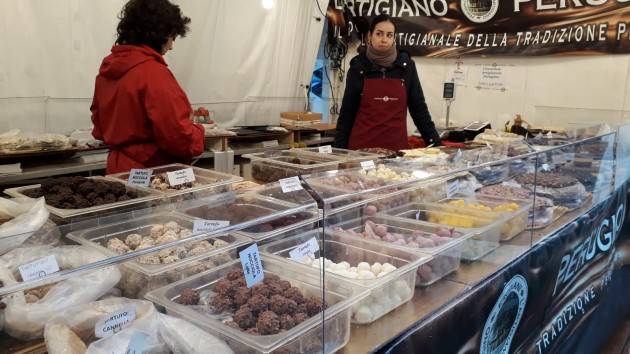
(382, 83)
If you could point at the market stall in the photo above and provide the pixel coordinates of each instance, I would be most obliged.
(340, 251)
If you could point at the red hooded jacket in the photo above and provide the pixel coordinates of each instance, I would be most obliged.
(141, 113)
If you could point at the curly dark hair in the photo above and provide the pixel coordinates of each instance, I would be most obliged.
(150, 23)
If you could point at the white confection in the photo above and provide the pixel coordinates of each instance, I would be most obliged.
(328, 263)
(363, 314)
(133, 240)
(164, 253)
(401, 289)
(388, 268)
(376, 268)
(345, 265)
(363, 266)
(365, 274)
(157, 231)
(353, 269)
(185, 233)
(172, 226)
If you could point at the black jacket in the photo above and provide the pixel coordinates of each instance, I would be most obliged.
(403, 68)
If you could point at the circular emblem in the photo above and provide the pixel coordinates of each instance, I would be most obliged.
(479, 11)
(386, 98)
(505, 317)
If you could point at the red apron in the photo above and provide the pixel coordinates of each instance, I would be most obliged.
(382, 117)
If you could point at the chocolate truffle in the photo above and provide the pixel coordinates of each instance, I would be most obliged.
(244, 318)
(189, 297)
(241, 296)
(221, 303)
(286, 322)
(268, 323)
(281, 305)
(258, 303)
(300, 317)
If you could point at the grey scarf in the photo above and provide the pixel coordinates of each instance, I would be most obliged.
(385, 59)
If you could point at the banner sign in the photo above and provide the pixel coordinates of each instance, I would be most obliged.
(566, 295)
(445, 28)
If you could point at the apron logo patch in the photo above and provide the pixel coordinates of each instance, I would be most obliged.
(386, 98)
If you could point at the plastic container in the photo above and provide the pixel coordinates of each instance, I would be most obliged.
(206, 180)
(512, 222)
(272, 166)
(350, 158)
(446, 256)
(145, 197)
(387, 292)
(274, 191)
(138, 277)
(485, 230)
(245, 208)
(303, 338)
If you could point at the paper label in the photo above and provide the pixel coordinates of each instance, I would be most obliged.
(39, 268)
(326, 149)
(452, 187)
(139, 177)
(418, 215)
(368, 165)
(549, 135)
(138, 343)
(252, 267)
(290, 184)
(545, 167)
(209, 225)
(270, 143)
(308, 248)
(115, 322)
(178, 177)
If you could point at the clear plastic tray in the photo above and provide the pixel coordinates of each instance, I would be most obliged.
(248, 207)
(350, 158)
(303, 338)
(272, 166)
(207, 180)
(446, 257)
(386, 292)
(144, 196)
(274, 191)
(138, 278)
(514, 222)
(485, 231)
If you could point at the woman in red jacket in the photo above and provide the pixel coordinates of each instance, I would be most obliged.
(139, 110)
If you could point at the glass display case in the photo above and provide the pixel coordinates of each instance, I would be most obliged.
(343, 261)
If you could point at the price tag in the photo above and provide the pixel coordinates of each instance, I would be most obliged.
(418, 215)
(138, 343)
(452, 187)
(545, 167)
(115, 322)
(308, 248)
(326, 149)
(39, 268)
(290, 184)
(368, 165)
(209, 225)
(178, 177)
(270, 143)
(549, 135)
(139, 177)
(252, 267)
